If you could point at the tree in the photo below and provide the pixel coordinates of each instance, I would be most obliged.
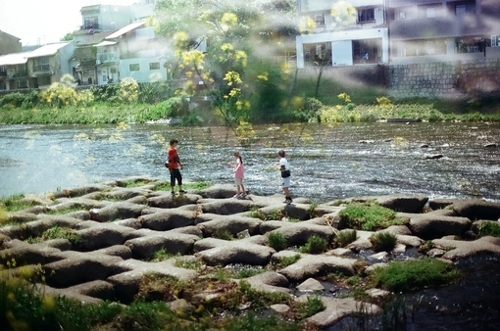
(242, 39)
(67, 37)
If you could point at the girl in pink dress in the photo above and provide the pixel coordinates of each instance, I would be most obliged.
(239, 174)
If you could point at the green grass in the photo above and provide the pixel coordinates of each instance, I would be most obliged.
(255, 212)
(165, 186)
(194, 264)
(314, 245)
(383, 241)
(57, 232)
(489, 229)
(163, 255)
(344, 238)
(249, 271)
(406, 276)
(286, 261)
(277, 241)
(312, 306)
(133, 183)
(223, 234)
(15, 203)
(368, 217)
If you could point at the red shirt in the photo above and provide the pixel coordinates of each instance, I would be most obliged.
(173, 158)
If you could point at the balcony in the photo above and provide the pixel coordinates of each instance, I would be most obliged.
(437, 27)
(110, 57)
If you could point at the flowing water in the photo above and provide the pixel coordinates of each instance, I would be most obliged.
(328, 162)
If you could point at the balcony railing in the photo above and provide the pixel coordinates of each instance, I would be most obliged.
(107, 57)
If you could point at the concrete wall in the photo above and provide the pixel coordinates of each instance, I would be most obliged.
(427, 79)
(444, 78)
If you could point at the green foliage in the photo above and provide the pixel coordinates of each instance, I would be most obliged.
(13, 100)
(223, 234)
(315, 244)
(15, 203)
(129, 90)
(277, 241)
(383, 241)
(368, 216)
(405, 276)
(165, 185)
(172, 107)
(57, 232)
(253, 322)
(275, 214)
(344, 238)
(188, 263)
(249, 271)
(312, 306)
(286, 261)
(162, 255)
(255, 212)
(489, 229)
(154, 92)
(261, 299)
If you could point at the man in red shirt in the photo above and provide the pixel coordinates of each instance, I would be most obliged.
(174, 166)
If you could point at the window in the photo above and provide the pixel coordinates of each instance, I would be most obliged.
(104, 78)
(90, 23)
(134, 67)
(366, 15)
(319, 19)
(44, 80)
(460, 10)
(154, 66)
(41, 64)
(113, 70)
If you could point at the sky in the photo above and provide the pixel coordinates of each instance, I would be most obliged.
(44, 21)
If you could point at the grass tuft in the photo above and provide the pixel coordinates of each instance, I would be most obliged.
(383, 241)
(368, 217)
(314, 245)
(277, 241)
(406, 276)
(344, 238)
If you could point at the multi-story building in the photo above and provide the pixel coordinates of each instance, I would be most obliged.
(37, 68)
(132, 51)
(399, 31)
(363, 40)
(441, 30)
(9, 43)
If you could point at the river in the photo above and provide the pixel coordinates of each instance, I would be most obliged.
(328, 161)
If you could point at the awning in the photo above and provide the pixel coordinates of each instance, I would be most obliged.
(118, 33)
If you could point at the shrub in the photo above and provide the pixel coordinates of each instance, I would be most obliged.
(344, 238)
(129, 90)
(314, 244)
(59, 95)
(404, 276)
(12, 99)
(277, 241)
(383, 241)
(369, 217)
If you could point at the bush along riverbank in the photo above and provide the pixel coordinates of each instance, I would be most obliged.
(127, 255)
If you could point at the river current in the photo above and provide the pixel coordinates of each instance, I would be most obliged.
(328, 161)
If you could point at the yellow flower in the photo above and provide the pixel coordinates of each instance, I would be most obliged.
(48, 303)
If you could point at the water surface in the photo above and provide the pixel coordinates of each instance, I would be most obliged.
(328, 162)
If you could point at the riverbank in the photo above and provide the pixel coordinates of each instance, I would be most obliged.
(206, 257)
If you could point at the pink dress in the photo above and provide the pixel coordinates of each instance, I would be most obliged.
(239, 170)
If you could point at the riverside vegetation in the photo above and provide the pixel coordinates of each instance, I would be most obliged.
(131, 102)
(126, 255)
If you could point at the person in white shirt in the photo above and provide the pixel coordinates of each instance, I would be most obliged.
(284, 168)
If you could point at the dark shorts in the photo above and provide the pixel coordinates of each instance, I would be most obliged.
(175, 174)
